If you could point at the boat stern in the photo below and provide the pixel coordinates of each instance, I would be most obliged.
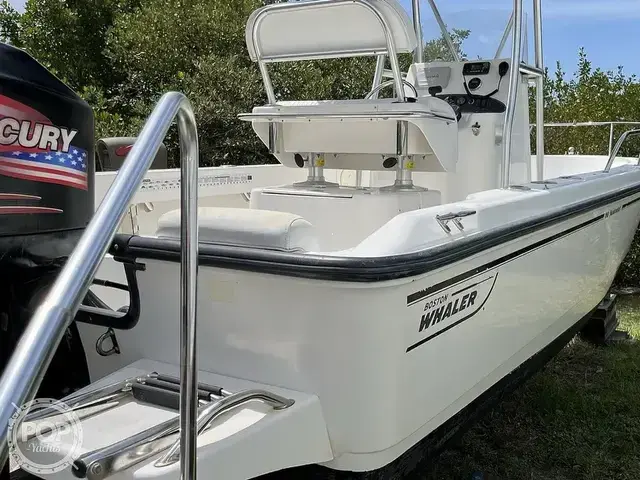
(126, 427)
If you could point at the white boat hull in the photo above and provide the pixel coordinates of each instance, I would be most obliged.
(340, 324)
(389, 362)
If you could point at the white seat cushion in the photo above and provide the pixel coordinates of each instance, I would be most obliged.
(355, 134)
(326, 29)
(424, 105)
(246, 227)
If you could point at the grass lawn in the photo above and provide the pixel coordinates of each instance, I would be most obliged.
(579, 418)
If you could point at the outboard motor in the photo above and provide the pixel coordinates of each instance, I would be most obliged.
(46, 201)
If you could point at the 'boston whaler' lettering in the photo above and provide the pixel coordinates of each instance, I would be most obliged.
(437, 315)
(454, 304)
(437, 301)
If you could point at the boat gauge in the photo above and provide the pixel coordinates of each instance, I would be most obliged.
(474, 83)
(476, 68)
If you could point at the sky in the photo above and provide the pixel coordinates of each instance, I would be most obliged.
(607, 29)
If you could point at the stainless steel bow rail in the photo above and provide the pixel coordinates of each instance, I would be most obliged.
(611, 126)
(156, 389)
(616, 149)
(32, 355)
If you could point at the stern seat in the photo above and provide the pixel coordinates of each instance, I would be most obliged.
(243, 227)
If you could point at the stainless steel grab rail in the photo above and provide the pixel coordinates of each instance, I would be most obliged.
(610, 124)
(24, 372)
(216, 409)
(114, 458)
(616, 149)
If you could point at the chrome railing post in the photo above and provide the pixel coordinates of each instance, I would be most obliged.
(444, 31)
(512, 96)
(23, 374)
(188, 292)
(378, 74)
(505, 37)
(610, 139)
(418, 54)
(537, 26)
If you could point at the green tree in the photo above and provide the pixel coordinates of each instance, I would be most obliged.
(438, 49)
(68, 37)
(591, 95)
(9, 24)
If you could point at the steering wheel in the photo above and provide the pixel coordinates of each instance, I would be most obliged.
(388, 83)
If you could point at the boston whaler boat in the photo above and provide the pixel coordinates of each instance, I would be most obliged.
(347, 329)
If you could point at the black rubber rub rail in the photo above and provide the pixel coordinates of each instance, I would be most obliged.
(360, 269)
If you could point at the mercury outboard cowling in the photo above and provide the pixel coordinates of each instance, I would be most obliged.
(46, 201)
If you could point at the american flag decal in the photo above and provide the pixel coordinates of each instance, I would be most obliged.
(32, 148)
(68, 169)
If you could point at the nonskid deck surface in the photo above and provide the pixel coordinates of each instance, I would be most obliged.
(276, 434)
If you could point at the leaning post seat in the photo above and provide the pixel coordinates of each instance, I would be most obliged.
(354, 134)
(243, 227)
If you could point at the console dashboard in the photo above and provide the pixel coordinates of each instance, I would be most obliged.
(469, 87)
(473, 104)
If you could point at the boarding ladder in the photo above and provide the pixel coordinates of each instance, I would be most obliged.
(198, 404)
